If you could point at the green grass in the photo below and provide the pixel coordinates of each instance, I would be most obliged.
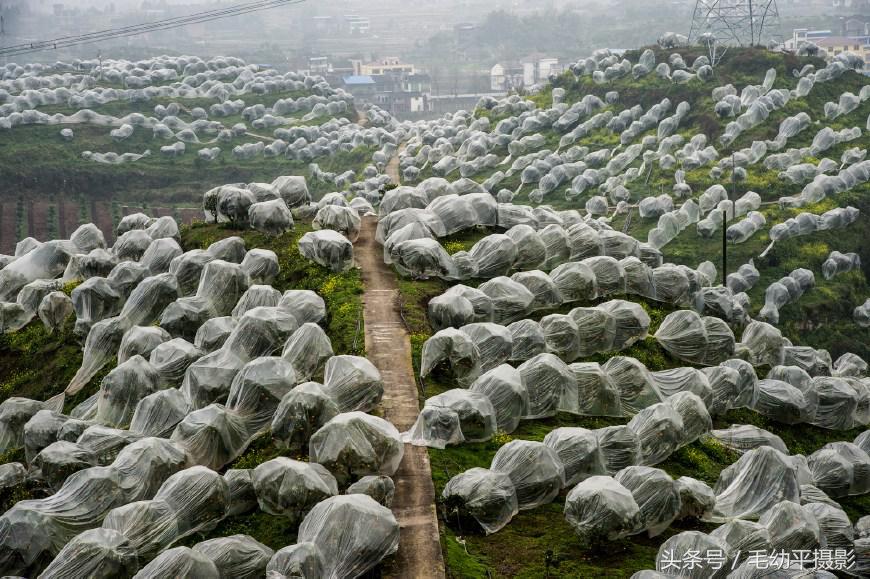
(54, 165)
(821, 318)
(38, 365)
(342, 293)
(120, 108)
(520, 549)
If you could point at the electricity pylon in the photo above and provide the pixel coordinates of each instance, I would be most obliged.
(735, 22)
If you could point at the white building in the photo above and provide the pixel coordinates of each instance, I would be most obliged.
(530, 70)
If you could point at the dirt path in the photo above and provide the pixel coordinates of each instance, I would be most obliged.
(388, 347)
(393, 167)
(362, 119)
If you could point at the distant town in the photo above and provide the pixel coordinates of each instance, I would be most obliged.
(419, 63)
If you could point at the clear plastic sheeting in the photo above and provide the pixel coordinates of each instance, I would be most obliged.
(838, 263)
(300, 560)
(257, 390)
(41, 430)
(354, 444)
(861, 314)
(837, 403)
(256, 296)
(47, 261)
(850, 365)
(11, 474)
(142, 308)
(455, 348)
(350, 533)
(753, 485)
(353, 383)
(489, 497)
(422, 258)
(307, 350)
(579, 451)
(190, 501)
(179, 562)
(261, 265)
(453, 417)
(545, 378)
(534, 469)
(763, 344)
(656, 495)
(93, 300)
(711, 556)
(834, 525)
(327, 248)
(739, 537)
(141, 341)
(157, 414)
(504, 387)
(213, 333)
(743, 230)
(591, 393)
(54, 309)
(345, 220)
(212, 435)
(693, 338)
(742, 438)
(601, 509)
(122, 389)
(408, 232)
(300, 413)
(693, 411)
(505, 300)
(542, 287)
(787, 290)
(238, 556)
(305, 305)
(96, 553)
(635, 384)
(659, 428)
(15, 412)
(290, 488)
(459, 305)
(814, 362)
(527, 340)
(272, 217)
(791, 527)
(575, 281)
(697, 500)
(531, 250)
(840, 469)
(380, 488)
(782, 402)
(60, 459)
(744, 279)
(35, 530)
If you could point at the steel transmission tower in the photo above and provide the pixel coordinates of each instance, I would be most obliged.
(735, 22)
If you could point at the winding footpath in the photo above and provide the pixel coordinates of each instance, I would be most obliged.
(389, 349)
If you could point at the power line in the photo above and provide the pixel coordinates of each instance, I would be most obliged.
(132, 30)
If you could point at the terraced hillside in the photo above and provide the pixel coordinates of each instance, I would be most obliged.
(594, 399)
(55, 117)
(822, 316)
(532, 151)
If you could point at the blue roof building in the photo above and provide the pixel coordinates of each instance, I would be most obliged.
(358, 80)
